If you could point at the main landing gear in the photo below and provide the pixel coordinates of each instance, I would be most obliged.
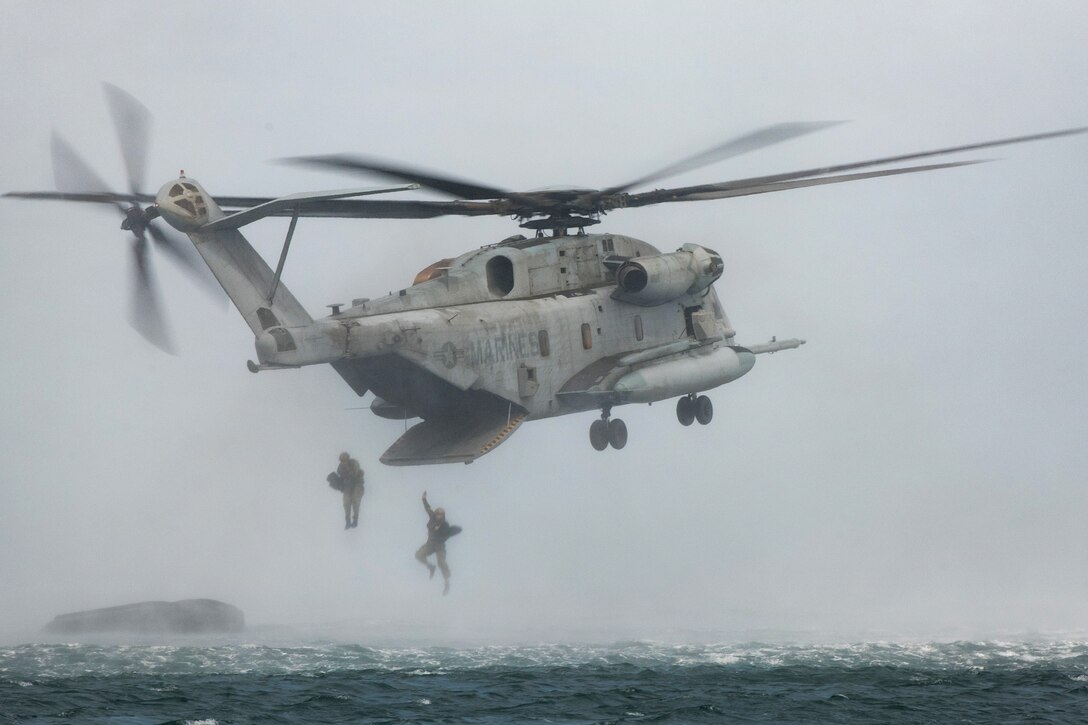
(604, 432)
(690, 409)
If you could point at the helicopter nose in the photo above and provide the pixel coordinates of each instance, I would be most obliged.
(183, 204)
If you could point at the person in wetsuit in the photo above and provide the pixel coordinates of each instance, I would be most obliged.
(438, 531)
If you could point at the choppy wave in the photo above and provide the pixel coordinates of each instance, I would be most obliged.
(632, 681)
(50, 661)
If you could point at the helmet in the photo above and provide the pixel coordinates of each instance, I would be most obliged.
(344, 456)
(440, 511)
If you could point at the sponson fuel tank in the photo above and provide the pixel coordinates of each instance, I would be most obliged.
(690, 373)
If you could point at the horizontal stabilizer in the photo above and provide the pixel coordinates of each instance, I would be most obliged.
(455, 439)
(270, 208)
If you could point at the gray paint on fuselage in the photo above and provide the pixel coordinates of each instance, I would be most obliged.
(458, 328)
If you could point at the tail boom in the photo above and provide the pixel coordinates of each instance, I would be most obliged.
(240, 270)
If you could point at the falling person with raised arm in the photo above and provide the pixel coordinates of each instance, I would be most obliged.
(438, 531)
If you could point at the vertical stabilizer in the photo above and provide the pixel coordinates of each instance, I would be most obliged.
(247, 279)
(242, 272)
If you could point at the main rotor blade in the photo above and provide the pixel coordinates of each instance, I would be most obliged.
(181, 251)
(132, 121)
(427, 179)
(735, 147)
(707, 192)
(373, 209)
(336, 208)
(146, 315)
(104, 197)
(759, 181)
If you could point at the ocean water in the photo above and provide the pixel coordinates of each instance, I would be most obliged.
(222, 682)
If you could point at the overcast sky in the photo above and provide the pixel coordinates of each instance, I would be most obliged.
(918, 468)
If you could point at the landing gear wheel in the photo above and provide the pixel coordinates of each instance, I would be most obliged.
(685, 410)
(598, 434)
(704, 409)
(617, 433)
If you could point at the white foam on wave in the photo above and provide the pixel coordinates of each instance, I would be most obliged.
(38, 662)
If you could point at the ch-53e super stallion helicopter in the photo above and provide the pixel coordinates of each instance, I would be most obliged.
(556, 322)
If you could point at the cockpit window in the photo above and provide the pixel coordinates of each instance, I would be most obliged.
(176, 190)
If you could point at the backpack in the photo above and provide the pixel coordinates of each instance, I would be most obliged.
(335, 481)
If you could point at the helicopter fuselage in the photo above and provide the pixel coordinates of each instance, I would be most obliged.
(529, 320)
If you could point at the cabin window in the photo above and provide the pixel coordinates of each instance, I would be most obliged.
(500, 275)
(608, 245)
(638, 327)
(587, 336)
(542, 338)
(688, 323)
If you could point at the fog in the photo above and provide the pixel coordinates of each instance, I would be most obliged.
(917, 469)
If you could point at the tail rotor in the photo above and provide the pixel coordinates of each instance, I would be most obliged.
(77, 181)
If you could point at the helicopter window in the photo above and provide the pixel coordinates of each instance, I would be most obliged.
(542, 338)
(688, 323)
(587, 336)
(190, 187)
(176, 190)
(608, 245)
(638, 327)
(500, 275)
(186, 205)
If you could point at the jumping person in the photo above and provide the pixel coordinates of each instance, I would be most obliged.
(438, 531)
(351, 477)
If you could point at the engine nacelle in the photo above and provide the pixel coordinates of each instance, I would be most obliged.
(650, 281)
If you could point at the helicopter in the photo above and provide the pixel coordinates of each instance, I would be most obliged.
(550, 322)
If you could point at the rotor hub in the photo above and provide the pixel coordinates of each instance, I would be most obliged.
(559, 223)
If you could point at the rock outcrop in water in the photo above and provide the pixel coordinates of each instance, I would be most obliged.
(188, 616)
